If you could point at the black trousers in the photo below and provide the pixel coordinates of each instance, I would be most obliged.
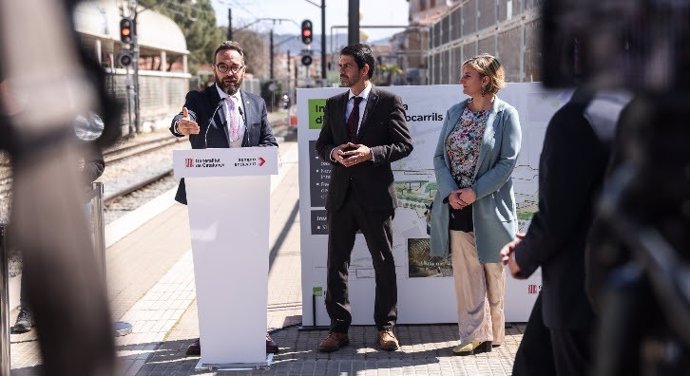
(547, 351)
(571, 351)
(376, 227)
(534, 356)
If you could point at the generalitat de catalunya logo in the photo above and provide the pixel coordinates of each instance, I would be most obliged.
(217, 163)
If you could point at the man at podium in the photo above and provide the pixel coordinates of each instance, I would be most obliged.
(224, 116)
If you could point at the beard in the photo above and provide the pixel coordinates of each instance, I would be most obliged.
(347, 81)
(344, 81)
(229, 85)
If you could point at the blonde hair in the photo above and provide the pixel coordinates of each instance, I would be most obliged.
(488, 66)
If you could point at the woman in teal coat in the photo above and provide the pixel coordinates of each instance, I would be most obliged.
(473, 213)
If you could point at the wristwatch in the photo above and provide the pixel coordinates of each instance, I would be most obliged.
(177, 130)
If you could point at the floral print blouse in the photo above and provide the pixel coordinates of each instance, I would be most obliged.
(462, 146)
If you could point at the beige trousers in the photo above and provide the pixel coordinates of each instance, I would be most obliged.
(479, 292)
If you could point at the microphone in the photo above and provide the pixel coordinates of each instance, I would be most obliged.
(210, 120)
(246, 130)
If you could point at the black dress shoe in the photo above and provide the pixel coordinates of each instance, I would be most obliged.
(25, 321)
(271, 346)
(194, 349)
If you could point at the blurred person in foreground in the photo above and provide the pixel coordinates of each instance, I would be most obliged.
(91, 166)
(473, 213)
(571, 171)
(364, 130)
(37, 110)
(224, 116)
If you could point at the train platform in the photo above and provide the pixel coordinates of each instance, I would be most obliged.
(151, 286)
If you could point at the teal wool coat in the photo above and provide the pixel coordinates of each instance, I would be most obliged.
(493, 213)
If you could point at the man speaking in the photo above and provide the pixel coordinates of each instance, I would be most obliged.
(224, 116)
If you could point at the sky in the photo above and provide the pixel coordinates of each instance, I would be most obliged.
(373, 12)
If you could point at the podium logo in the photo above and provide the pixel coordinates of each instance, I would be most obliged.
(204, 163)
(248, 162)
(533, 289)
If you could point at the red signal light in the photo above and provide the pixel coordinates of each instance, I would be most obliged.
(126, 30)
(307, 32)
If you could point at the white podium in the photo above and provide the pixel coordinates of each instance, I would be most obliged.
(228, 199)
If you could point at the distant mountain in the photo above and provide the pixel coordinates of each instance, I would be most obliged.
(382, 41)
(292, 42)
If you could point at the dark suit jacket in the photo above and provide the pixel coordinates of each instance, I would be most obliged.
(571, 170)
(384, 130)
(214, 132)
(94, 163)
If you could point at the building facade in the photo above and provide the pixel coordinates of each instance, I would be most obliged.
(443, 34)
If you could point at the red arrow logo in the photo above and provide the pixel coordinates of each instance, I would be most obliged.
(261, 161)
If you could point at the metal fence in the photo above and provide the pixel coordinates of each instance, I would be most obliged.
(5, 306)
(161, 94)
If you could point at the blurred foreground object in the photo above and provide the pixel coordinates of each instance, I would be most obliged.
(641, 45)
(45, 87)
(639, 256)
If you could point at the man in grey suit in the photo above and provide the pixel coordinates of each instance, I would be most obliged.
(364, 130)
(224, 116)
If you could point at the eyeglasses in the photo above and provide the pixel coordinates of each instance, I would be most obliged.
(224, 68)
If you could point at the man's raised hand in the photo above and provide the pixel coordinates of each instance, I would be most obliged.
(185, 125)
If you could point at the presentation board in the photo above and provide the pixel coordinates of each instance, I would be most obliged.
(425, 289)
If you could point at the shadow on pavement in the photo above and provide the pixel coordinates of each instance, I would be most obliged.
(421, 345)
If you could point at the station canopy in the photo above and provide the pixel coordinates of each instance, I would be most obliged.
(100, 19)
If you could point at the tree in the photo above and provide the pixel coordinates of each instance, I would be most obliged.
(255, 47)
(386, 73)
(197, 20)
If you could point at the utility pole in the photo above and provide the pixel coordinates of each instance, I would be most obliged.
(229, 24)
(271, 35)
(323, 38)
(323, 42)
(271, 53)
(135, 62)
(125, 58)
(353, 22)
(289, 91)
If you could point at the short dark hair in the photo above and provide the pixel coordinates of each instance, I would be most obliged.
(362, 55)
(228, 45)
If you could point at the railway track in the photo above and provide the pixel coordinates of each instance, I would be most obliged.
(119, 154)
(122, 153)
(135, 187)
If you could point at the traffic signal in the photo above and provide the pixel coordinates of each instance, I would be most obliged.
(125, 57)
(306, 60)
(307, 35)
(126, 30)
